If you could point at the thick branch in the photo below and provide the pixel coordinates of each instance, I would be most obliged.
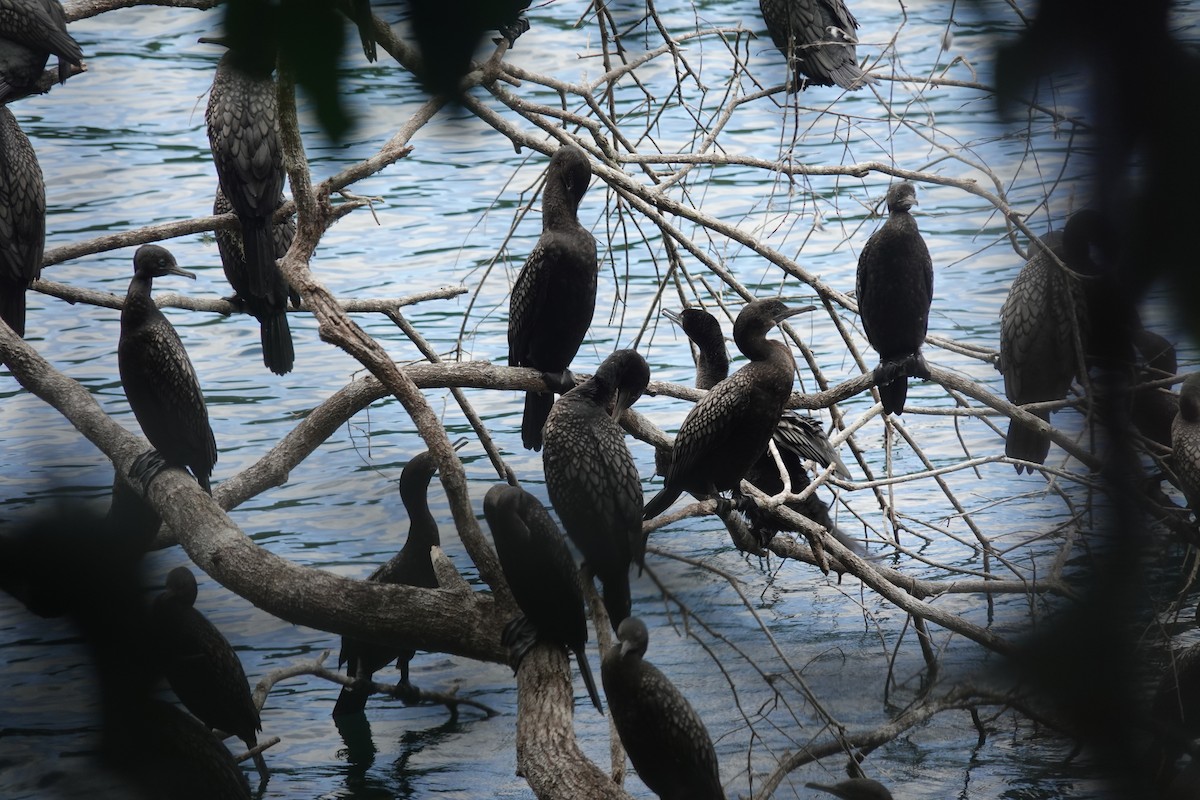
(456, 622)
(312, 218)
(547, 753)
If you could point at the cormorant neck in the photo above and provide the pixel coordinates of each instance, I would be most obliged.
(1189, 405)
(754, 344)
(600, 389)
(422, 527)
(141, 284)
(255, 64)
(712, 367)
(560, 206)
(138, 302)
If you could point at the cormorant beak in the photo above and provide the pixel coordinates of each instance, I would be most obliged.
(673, 315)
(790, 312)
(626, 648)
(174, 270)
(219, 40)
(625, 398)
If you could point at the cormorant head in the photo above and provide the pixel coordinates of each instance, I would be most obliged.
(181, 586)
(153, 261)
(1189, 398)
(857, 788)
(418, 472)
(628, 374)
(901, 196)
(505, 509)
(1086, 238)
(633, 636)
(699, 326)
(570, 169)
(757, 318)
(252, 54)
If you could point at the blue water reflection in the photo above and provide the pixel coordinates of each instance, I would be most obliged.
(124, 146)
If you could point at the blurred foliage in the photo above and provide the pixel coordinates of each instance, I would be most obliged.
(309, 37)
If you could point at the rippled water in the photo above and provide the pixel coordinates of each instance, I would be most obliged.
(124, 146)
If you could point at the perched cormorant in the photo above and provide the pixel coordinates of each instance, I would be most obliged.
(243, 133)
(199, 663)
(269, 307)
(160, 382)
(555, 293)
(704, 331)
(894, 290)
(542, 575)
(591, 478)
(855, 789)
(1038, 356)
(1175, 710)
(798, 438)
(664, 736)
(186, 762)
(22, 220)
(71, 562)
(1185, 441)
(728, 430)
(412, 566)
(1154, 410)
(817, 37)
(30, 31)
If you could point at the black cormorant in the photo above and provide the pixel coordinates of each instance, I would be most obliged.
(1175, 710)
(797, 438)
(22, 220)
(71, 562)
(728, 430)
(200, 665)
(541, 572)
(186, 762)
(894, 290)
(30, 31)
(704, 331)
(1185, 441)
(365, 22)
(243, 133)
(269, 306)
(591, 478)
(160, 382)
(1038, 332)
(855, 789)
(412, 566)
(817, 37)
(555, 293)
(664, 736)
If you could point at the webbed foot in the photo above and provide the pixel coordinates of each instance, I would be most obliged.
(559, 382)
(512, 32)
(145, 468)
(915, 366)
